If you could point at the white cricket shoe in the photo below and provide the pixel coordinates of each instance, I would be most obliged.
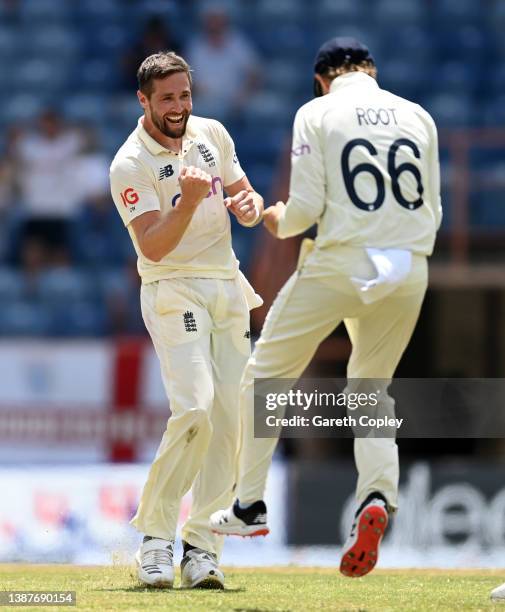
(199, 570)
(498, 594)
(251, 521)
(155, 563)
(361, 551)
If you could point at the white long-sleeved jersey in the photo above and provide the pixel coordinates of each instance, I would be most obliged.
(365, 168)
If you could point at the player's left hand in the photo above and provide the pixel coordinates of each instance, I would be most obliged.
(243, 207)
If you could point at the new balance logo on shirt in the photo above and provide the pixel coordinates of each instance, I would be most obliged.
(166, 172)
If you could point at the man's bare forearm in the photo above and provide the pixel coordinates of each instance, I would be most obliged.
(162, 237)
(157, 234)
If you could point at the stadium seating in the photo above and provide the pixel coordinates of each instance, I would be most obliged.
(24, 318)
(448, 55)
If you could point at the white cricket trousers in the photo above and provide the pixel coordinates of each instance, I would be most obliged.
(200, 330)
(313, 302)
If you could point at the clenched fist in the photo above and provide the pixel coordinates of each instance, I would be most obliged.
(195, 185)
(243, 207)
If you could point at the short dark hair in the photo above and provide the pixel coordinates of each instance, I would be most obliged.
(367, 66)
(158, 66)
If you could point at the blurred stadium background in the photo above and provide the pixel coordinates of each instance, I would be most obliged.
(81, 402)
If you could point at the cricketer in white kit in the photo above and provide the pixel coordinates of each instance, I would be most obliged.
(365, 168)
(167, 181)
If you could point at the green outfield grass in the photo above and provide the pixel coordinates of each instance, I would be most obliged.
(264, 589)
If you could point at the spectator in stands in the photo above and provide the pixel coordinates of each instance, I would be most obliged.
(46, 171)
(31, 266)
(225, 65)
(97, 237)
(8, 194)
(121, 298)
(156, 36)
(10, 10)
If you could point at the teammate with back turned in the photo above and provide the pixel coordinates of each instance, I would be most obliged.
(365, 168)
(167, 181)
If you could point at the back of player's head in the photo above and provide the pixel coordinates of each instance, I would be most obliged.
(343, 54)
(158, 66)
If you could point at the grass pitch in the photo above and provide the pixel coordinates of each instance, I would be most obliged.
(264, 589)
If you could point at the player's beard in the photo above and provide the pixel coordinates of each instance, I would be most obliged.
(167, 128)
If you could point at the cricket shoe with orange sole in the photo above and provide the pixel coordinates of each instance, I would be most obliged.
(361, 551)
(247, 522)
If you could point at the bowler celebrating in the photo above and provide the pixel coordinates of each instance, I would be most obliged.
(364, 168)
(167, 182)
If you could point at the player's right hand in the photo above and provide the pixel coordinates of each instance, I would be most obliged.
(271, 216)
(195, 185)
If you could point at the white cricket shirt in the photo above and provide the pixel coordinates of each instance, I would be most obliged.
(144, 176)
(364, 166)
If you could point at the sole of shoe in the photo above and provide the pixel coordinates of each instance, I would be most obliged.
(362, 556)
(208, 583)
(162, 584)
(244, 532)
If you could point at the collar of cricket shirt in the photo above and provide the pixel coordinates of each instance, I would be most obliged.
(352, 78)
(155, 148)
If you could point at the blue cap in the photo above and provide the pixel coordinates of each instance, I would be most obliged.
(337, 51)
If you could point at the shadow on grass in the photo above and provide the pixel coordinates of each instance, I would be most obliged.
(141, 589)
(259, 610)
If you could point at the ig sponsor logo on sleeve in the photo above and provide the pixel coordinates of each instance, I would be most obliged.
(130, 197)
